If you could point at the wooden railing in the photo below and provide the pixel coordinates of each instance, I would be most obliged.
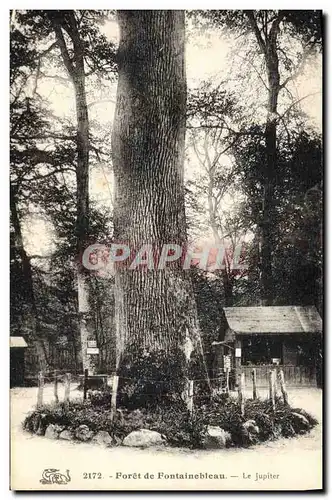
(294, 375)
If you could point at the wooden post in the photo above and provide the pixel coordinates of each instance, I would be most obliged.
(237, 363)
(227, 381)
(115, 383)
(85, 383)
(241, 393)
(190, 396)
(275, 388)
(56, 396)
(219, 381)
(283, 387)
(254, 384)
(40, 390)
(67, 387)
(271, 390)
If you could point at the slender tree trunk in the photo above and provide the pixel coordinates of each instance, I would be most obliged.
(28, 285)
(225, 273)
(228, 289)
(154, 309)
(268, 46)
(82, 179)
(268, 222)
(76, 72)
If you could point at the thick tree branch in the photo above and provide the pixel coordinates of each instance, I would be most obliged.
(100, 101)
(63, 48)
(253, 24)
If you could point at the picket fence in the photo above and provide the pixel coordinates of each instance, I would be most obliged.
(275, 377)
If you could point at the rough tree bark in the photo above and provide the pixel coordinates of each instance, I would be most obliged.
(155, 309)
(33, 319)
(75, 68)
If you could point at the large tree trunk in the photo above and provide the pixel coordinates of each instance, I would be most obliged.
(76, 72)
(32, 316)
(154, 309)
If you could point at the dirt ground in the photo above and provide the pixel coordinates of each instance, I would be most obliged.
(286, 464)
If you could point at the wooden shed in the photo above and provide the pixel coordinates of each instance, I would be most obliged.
(17, 364)
(265, 337)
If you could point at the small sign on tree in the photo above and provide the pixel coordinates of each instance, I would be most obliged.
(92, 350)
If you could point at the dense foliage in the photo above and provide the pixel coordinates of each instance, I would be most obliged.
(174, 422)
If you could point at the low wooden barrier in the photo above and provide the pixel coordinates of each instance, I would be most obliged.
(294, 376)
(276, 375)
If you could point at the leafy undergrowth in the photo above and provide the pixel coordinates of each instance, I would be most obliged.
(285, 421)
(173, 421)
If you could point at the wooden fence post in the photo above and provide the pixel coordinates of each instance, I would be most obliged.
(40, 389)
(67, 387)
(190, 396)
(241, 393)
(271, 390)
(227, 381)
(85, 383)
(283, 387)
(115, 383)
(219, 381)
(254, 384)
(275, 388)
(56, 396)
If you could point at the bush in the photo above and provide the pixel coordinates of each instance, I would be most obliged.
(225, 412)
(149, 379)
(171, 419)
(100, 398)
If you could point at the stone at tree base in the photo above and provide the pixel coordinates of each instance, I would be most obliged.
(66, 435)
(216, 438)
(250, 431)
(103, 438)
(83, 433)
(251, 427)
(53, 431)
(302, 412)
(300, 420)
(143, 438)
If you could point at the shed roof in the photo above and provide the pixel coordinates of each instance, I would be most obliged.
(18, 342)
(273, 319)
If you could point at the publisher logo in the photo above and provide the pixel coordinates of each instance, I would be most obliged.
(54, 476)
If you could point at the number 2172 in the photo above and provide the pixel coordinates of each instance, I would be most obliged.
(91, 475)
